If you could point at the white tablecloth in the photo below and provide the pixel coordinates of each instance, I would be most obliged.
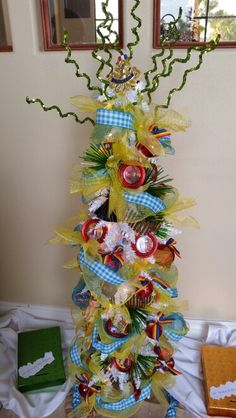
(188, 389)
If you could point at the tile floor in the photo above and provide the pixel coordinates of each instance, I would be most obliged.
(148, 410)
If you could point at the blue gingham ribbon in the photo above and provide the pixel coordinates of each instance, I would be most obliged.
(125, 403)
(75, 356)
(115, 118)
(177, 329)
(171, 291)
(76, 396)
(171, 411)
(145, 199)
(106, 348)
(173, 336)
(102, 271)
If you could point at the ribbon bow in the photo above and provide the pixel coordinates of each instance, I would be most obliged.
(158, 133)
(154, 329)
(114, 259)
(165, 364)
(171, 244)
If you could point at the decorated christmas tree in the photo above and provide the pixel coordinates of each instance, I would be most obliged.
(126, 315)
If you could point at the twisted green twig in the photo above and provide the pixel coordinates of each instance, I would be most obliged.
(169, 39)
(205, 49)
(134, 30)
(103, 62)
(62, 115)
(114, 45)
(69, 60)
(155, 81)
(153, 70)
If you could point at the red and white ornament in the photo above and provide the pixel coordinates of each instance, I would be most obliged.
(132, 176)
(145, 245)
(123, 365)
(116, 332)
(90, 230)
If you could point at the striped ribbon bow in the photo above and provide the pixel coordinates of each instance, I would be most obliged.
(167, 366)
(158, 133)
(171, 244)
(163, 136)
(163, 285)
(173, 327)
(154, 329)
(114, 259)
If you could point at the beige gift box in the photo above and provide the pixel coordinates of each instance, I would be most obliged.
(219, 370)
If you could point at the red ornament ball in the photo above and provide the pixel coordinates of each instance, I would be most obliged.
(89, 230)
(145, 151)
(145, 245)
(114, 331)
(132, 176)
(123, 365)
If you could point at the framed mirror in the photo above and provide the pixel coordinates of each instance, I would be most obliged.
(5, 33)
(201, 20)
(80, 18)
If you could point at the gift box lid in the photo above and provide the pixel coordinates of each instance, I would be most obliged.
(219, 370)
(40, 362)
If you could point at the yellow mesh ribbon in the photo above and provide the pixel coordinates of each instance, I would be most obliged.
(182, 220)
(84, 409)
(86, 104)
(159, 383)
(172, 120)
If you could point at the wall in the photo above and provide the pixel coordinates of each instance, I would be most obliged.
(38, 150)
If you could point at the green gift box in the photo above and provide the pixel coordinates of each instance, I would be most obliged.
(40, 362)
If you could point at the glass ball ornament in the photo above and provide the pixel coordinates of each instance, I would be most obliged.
(123, 365)
(113, 331)
(90, 230)
(131, 176)
(145, 245)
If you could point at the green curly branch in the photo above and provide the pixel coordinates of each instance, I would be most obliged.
(114, 45)
(171, 37)
(69, 60)
(205, 49)
(62, 115)
(103, 47)
(134, 30)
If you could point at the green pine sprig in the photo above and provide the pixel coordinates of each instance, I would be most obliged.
(160, 187)
(97, 156)
(162, 233)
(143, 367)
(139, 320)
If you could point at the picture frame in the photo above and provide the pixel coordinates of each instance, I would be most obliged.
(79, 19)
(202, 21)
(5, 32)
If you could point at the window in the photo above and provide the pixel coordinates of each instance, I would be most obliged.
(81, 19)
(5, 35)
(201, 21)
